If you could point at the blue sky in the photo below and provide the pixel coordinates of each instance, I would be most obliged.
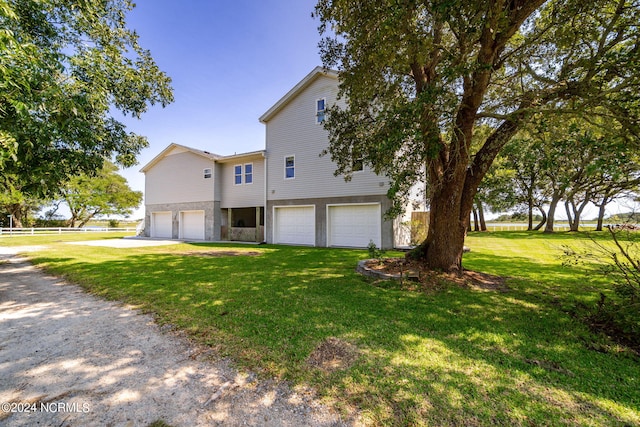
(229, 62)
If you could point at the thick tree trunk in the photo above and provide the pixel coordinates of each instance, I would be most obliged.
(15, 210)
(555, 199)
(452, 193)
(483, 224)
(543, 221)
(530, 206)
(569, 215)
(88, 218)
(442, 249)
(476, 226)
(574, 224)
(601, 210)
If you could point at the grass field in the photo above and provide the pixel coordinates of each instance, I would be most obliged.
(449, 356)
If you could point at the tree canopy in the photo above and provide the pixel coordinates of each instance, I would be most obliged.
(553, 159)
(421, 76)
(65, 68)
(103, 194)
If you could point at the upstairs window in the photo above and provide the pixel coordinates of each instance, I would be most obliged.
(289, 167)
(248, 173)
(357, 165)
(237, 171)
(207, 173)
(320, 110)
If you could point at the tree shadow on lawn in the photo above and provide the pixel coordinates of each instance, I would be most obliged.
(554, 278)
(453, 357)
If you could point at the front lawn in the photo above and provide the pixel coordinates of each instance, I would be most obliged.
(451, 356)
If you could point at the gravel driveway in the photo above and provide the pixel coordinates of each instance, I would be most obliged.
(69, 359)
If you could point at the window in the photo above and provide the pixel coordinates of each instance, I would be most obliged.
(248, 173)
(320, 110)
(237, 171)
(357, 165)
(207, 173)
(289, 167)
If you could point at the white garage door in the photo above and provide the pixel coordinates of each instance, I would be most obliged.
(354, 225)
(161, 225)
(294, 225)
(192, 225)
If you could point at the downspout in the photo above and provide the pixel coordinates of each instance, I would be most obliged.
(264, 213)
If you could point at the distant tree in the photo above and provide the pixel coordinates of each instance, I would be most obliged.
(524, 160)
(65, 68)
(619, 179)
(497, 190)
(420, 76)
(21, 208)
(103, 194)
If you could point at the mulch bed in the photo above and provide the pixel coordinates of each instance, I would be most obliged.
(414, 273)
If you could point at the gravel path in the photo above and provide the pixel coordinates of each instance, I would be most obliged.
(69, 359)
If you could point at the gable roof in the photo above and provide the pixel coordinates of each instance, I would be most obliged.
(214, 157)
(173, 146)
(302, 85)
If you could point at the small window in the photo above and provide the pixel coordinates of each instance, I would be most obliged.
(248, 173)
(320, 110)
(289, 167)
(357, 165)
(207, 173)
(237, 171)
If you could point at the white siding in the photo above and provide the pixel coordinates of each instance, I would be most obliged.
(244, 195)
(294, 131)
(178, 178)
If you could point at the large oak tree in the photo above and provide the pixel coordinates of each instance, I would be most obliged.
(420, 76)
(65, 68)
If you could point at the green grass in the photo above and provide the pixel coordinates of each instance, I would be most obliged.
(450, 357)
(48, 239)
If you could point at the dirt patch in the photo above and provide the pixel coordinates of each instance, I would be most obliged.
(415, 276)
(333, 354)
(221, 253)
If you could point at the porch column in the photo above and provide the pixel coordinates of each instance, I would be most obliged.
(229, 224)
(258, 224)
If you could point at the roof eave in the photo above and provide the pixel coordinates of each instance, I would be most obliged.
(226, 159)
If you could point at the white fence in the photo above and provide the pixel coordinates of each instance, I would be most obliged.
(496, 226)
(34, 231)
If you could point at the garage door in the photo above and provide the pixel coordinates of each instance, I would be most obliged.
(161, 225)
(294, 225)
(354, 225)
(192, 225)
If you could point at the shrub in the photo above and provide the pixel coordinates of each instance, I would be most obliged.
(618, 313)
(374, 251)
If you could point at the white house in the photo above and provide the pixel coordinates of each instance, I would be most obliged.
(285, 194)
(197, 195)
